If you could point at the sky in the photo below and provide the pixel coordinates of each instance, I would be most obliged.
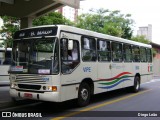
(143, 12)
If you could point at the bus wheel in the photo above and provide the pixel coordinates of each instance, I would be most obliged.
(84, 94)
(136, 86)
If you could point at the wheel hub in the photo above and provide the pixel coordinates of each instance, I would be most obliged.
(84, 94)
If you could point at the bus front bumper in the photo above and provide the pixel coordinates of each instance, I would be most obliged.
(45, 96)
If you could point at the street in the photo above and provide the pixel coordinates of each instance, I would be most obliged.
(119, 104)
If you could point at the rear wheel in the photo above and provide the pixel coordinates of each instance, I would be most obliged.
(84, 94)
(136, 86)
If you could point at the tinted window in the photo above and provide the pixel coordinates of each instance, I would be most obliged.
(143, 55)
(136, 53)
(104, 50)
(116, 51)
(149, 55)
(88, 49)
(127, 53)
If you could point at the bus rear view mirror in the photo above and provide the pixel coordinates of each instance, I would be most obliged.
(70, 45)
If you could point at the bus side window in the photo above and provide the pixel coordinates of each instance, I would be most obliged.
(136, 53)
(143, 55)
(104, 50)
(5, 58)
(70, 58)
(88, 49)
(117, 52)
(127, 53)
(149, 55)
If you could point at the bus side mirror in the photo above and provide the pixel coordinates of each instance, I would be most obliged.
(70, 44)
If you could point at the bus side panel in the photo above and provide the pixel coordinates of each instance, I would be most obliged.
(150, 73)
(117, 76)
(144, 72)
(104, 73)
(70, 82)
(129, 74)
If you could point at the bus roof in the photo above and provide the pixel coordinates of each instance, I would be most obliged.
(76, 30)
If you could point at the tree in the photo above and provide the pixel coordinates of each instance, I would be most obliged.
(10, 26)
(107, 22)
(50, 19)
(140, 38)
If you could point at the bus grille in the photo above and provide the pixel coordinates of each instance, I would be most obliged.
(31, 79)
(25, 86)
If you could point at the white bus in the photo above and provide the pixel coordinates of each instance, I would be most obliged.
(59, 63)
(5, 61)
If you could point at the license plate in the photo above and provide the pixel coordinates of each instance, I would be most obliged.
(27, 95)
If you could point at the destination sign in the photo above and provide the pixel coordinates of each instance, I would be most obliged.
(36, 32)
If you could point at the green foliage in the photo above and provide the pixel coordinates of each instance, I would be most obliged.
(10, 26)
(107, 22)
(141, 39)
(154, 52)
(51, 19)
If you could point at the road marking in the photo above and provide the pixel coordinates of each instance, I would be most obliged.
(26, 105)
(100, 105)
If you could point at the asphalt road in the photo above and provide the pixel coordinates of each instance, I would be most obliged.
(119, 104)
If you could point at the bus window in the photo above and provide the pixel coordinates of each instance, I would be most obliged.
(136, 53)
(116, 52)
(5, 57)
(88, 49)
(70, 58)
(149, 55)
(143, 55)
(104, 50)
(127, 53)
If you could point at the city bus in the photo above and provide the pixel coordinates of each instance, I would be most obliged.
(5, 60)
(59, 63)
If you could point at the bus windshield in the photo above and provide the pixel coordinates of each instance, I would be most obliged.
(36, 56)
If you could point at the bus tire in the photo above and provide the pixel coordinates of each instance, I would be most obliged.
(84, 94)
(136, 87)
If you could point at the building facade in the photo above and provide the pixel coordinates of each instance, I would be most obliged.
(146, 31)
(69, 13)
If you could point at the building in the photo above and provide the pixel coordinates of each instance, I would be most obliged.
(69, 13)
(146, 31)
